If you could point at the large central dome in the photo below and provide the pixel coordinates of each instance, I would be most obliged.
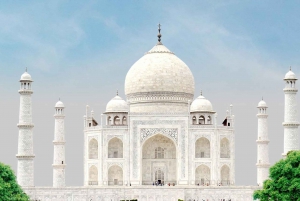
(159, 77)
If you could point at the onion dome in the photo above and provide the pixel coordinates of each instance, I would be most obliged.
(290, 75)
(159, 70)
(26, 77)
(117, 104)
(161, 77)
(201, 104)
(59, 104)
(262, 103)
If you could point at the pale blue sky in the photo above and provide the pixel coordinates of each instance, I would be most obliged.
(81, 51)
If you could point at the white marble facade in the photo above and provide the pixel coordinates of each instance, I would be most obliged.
(159, 134)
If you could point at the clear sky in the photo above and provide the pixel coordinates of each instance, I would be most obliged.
(80, 51)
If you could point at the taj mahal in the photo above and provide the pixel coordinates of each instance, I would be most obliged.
(162, 142)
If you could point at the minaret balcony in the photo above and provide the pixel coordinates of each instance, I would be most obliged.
(291, 124)
(25, 91)
(19, 156)
(25, 125)
(293, 90)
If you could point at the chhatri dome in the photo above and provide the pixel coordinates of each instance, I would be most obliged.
(159, 77)
(59, 104)
(26, 76)
(201, 104)
(117, 104)
(290, 75)
(262, 103)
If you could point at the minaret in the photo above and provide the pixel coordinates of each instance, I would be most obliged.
(290, 124)
(59, 146)
(262, 144)
(25, 156)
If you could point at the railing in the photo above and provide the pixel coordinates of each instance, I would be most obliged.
(202, 182)
(225, 183)
(209, 126)
(91, 183)
(106, 126)
(224, 156)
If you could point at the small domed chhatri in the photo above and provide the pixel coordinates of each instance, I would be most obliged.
(290, 75)
(59, 104)
(262, 103)
(117, 104)
(26, 76)
(201, 104)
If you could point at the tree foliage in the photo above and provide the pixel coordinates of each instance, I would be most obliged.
(9, 188)
(284, 181)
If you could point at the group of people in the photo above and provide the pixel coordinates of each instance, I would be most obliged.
(207, 184)
(162, 184)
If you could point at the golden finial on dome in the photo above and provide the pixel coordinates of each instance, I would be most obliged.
(159, 35)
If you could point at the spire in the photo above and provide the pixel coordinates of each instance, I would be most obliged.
(201, 93)
(59, 99)
(262, 98)
(159, 35)
(117, 92)
(26, 69)
(290, 68)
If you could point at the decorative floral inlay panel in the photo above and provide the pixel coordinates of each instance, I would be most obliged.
(147, 132)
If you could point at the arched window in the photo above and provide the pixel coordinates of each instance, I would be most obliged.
(159, 152)
(202, 175)
(124, 121)
(224, 148)
(209, 120)
(115, 175)
(115, 148)
(202, 148)
(201, 120)
(93, 149)
(109, 120)
(117, 120)
(225, 175)
(93, 175)
(194, 120)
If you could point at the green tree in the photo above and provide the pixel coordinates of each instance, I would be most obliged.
(284, 182)
(9, 188)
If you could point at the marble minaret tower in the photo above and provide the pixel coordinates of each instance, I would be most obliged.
(290, 124)
(25, 156)
(262, 144)
(59, 147)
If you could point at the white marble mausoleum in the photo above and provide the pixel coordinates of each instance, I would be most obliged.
(160, 142)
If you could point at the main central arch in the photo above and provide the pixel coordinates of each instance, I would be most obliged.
(159, 160)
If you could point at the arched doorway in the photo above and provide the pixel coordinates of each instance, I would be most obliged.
(159, 161)
(93, 175)
(93, 149)
(202, 175)
(115, 176)
(224, 148)
(225, 175)
(115, 148)
(202, 148)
